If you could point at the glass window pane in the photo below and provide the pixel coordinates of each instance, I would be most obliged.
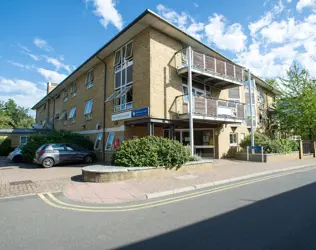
(118, 79)
(123, 77)
(129, 95)
(117, 59)
(109, 141)
(129, 74)
(129, 50)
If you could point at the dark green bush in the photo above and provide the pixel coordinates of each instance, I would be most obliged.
(151, 151)
(35, 141)
(5, 146)
(271, 146)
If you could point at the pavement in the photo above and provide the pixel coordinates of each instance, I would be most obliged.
(223, 171)
(272, 212)
(23, 179)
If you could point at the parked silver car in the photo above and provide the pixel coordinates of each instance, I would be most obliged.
(49, 155)
(16, 155)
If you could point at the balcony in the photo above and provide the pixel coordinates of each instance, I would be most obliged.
(210, 70)
(209, 109)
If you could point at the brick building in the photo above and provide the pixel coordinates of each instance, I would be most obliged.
(138, 84)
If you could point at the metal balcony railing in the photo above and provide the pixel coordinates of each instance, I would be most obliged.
(212, 108)
(210, 65)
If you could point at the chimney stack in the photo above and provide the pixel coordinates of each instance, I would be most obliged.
(51, 86)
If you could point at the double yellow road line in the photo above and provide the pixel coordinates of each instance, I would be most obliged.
(51, 200)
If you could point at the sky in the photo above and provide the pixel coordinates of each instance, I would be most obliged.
(43, 41)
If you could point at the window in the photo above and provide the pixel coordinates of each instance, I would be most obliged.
(65, 95)
(88, 109)
(63, 115)
(117, 59)
(195, 92)
(233, 139)
(261, 118)
(260, 95)
(166, 133)
(23, 140)
(73, 89)
(129, 50)
(123, 85)
(57, 96)
(234, 93)
(123, 54)
(98, 141)
(58, 147)
(89, 79)
(111, 97)
(57, 116)
(72, 114)
(109, 141)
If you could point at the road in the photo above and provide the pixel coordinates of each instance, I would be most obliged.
(277, 212)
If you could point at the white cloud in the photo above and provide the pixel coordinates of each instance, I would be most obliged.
(184, 21)
(24, 93)
(289, 1)
(26, 51)
(58, 64)
(105, 9)
(196, 5)
(20, 65)
(51, 75)
(266, 19)
(42, 44)
(227, 38)
(305, 4)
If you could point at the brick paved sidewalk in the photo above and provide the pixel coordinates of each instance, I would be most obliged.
(137, 189)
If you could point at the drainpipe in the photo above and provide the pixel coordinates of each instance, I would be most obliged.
(189, 54)
(104, 109)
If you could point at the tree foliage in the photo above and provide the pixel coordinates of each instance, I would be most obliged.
(14, 116)
(296, 109)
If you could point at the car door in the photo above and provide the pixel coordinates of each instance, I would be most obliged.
(60, 153)
(74, 152)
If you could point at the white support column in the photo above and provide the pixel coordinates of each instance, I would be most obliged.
(225, 69)
(251, 116)
(215, 65)
(189, 51)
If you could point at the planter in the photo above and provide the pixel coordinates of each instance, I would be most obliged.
(268, 157)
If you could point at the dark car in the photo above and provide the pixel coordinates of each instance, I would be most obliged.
(51, 154)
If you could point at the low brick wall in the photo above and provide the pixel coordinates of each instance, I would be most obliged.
(268, 157)
(126, 174)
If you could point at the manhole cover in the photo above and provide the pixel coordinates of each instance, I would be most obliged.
(20, 182)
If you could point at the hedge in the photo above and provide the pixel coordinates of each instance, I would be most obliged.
(35, 141)
(5, 146)
(271, 146)
(151, 151)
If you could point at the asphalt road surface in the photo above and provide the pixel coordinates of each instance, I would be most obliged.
(264, 213)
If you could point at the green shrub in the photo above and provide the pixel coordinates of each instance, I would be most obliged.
(195, 158)
(35, 141)
(151, 151)
(271, 146)
(5, 146)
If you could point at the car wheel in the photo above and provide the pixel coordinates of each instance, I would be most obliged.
(17, 158)
(48, 163)
(88, 159)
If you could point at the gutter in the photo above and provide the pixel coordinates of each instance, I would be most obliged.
(104, 109)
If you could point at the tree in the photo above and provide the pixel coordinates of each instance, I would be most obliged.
(296, 109)
(272, 82)
(14, 116)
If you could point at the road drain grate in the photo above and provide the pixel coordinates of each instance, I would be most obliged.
(21, 182)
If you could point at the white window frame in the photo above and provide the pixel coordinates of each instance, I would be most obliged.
(98, 139)
(63, 115)
(236, 140)
(89, 78)
(122, 52)
(109, 143)
(88, 110)
(242, 137)
(73, 88)
(26, 139)
(72, 113)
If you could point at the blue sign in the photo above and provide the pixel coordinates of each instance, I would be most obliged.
(255, 147)
(140, 112)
